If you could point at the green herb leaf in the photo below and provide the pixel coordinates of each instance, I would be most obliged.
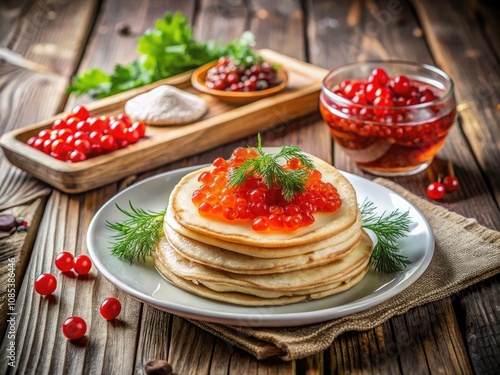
(274, 176)
(94, 82)
(241, 51)
(138, 235)
(166, 50)
(388, 229)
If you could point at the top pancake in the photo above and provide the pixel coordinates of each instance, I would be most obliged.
(325, 225)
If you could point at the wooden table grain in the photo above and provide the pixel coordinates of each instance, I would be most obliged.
(43, 43)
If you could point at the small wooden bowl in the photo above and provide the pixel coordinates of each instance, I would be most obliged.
(200, 74)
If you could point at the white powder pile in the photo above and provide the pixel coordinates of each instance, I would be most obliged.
(166, 105)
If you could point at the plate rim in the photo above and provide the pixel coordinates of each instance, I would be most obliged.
(284, 319)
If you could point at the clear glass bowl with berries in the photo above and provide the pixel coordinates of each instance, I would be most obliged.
(390, 118)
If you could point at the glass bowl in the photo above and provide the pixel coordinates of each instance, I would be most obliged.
(398, 134)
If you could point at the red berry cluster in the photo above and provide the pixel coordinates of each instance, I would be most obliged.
(79, 136)
(382, 91)
(74, 327)
(228, 76)
(437, 190)
(254, 201)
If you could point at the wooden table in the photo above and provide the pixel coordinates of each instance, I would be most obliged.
(55, 39)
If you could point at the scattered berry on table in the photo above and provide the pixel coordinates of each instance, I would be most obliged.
(64, 261)
(110, 308)
(74, 328)
(45, 284)
(82, 264)
(451, 183)
(435, 190)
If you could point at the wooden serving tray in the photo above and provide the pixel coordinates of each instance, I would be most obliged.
(223, 123)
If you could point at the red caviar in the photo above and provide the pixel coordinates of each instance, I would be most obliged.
(265, 208)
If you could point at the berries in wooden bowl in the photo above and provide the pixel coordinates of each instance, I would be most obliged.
(239, 85)
(240, 77)
(391, 118)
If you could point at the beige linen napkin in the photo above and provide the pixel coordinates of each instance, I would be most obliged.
(465, 254)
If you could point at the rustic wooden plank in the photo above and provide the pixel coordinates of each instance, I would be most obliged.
(190, 349)
(476, 76)
(40, 34)
(343, 32)
(487, 13)
(478, 308)
(280, 15)
(10, 14)
(431, 344)
(15, 252)
(222, 20)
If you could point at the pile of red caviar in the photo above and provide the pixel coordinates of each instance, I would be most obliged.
(255, 202)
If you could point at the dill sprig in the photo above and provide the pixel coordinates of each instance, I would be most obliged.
(388, 229)
(138, 235)
(268, 166)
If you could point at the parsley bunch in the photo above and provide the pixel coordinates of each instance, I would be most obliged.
(166, 50)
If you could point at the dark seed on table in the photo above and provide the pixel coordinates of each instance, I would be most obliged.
(7, 222)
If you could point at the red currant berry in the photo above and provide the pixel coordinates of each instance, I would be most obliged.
(110, 308)
(82, 264)
(64, 261)
(379, 76)
(45, 284)
(74, 328)
(400, 85)
(81, 112)
(451, 183)
(435, 190)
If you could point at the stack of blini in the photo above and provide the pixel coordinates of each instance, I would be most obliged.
(230, 262)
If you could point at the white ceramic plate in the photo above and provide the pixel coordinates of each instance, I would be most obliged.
(142, 281)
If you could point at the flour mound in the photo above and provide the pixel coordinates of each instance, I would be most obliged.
(166, 105)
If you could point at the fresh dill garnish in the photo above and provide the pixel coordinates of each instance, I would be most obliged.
(268, 166)
(138, 235)
(388, 229)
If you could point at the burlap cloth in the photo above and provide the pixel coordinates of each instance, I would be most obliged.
(465, 254)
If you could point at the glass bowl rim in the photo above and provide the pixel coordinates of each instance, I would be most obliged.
(346, 67)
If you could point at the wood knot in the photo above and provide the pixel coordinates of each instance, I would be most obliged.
(123, 29)
(158, 367)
